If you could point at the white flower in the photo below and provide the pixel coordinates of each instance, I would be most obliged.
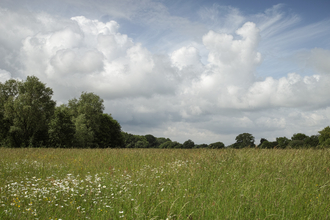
(121, 212)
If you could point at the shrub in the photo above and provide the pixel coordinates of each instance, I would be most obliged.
(217, 145)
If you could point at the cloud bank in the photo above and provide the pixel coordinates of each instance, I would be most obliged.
(206, 90)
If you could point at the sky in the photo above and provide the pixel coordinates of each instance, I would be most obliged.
(200, 70)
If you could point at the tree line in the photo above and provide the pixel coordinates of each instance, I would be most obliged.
(30, 118)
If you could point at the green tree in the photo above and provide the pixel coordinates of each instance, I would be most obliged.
(28, 107)
(189, 144)
(268, 144)
(217, 145)
(91, 106)
(7, 90)
(170, 145)
(296, 144)
(261, 141)
(134, 141)
(244, 140)
(84, 136)
(109, 134)
(201, 146)
(61, 128)
(283, 142)
(161, 140)
(151, 140)
(324, 138)
(299, 137)
(312, 141)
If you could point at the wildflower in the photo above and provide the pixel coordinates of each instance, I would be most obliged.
(121, 212)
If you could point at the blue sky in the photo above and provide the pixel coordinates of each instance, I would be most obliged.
(200, 70)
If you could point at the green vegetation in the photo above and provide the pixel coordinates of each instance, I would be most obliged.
(41, 183)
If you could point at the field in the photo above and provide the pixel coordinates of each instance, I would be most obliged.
(38, 183)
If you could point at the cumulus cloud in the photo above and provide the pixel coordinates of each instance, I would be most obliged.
(4, 75)
(208, 90)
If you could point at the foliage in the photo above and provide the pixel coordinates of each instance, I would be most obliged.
(312, 141)
(216, 145)
(134, 141)
(61, 128)
(261, 141)
(109, 134)
(91, 106)
(188, 144)
(84, 135)
(324, 138)
(299, 137)
(244, 140)
(268, 144)
(296, 144)
(28, 107)
(170, 144)
(152, 140)
(201, 146)
(161, 140)
(283, 142)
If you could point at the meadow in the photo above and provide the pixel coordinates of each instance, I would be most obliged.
(48, 183)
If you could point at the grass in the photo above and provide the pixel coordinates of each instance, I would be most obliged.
(164, 184)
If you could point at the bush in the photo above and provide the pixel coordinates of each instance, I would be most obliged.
(296, 144)
(217, 145)
(268, 144)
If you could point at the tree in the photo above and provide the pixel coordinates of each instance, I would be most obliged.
(134, 141)
(268, 144)
(170, 145)
(188, 144)
(151, 140)
(324, 138)
(28, 107)
(296, 144)
(84, 136)
(201, 146)
(161, 140)
(109, 134)
(312, 141)
(61, 128)
(261, 141)
(299, 137)
(244, 140)
(216, 145)
(91, 106)
(283, 142)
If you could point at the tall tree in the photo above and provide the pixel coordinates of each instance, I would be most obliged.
(84, 136)
(28, 106)
(109, 134)
(91, 106)
(324, 138)
(61, 128)
(188, 144)
(244, 140)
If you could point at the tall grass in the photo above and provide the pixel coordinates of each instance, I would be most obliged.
(164, 184)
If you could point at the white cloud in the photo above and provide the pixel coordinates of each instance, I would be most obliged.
(175, 94)
(4, 75)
